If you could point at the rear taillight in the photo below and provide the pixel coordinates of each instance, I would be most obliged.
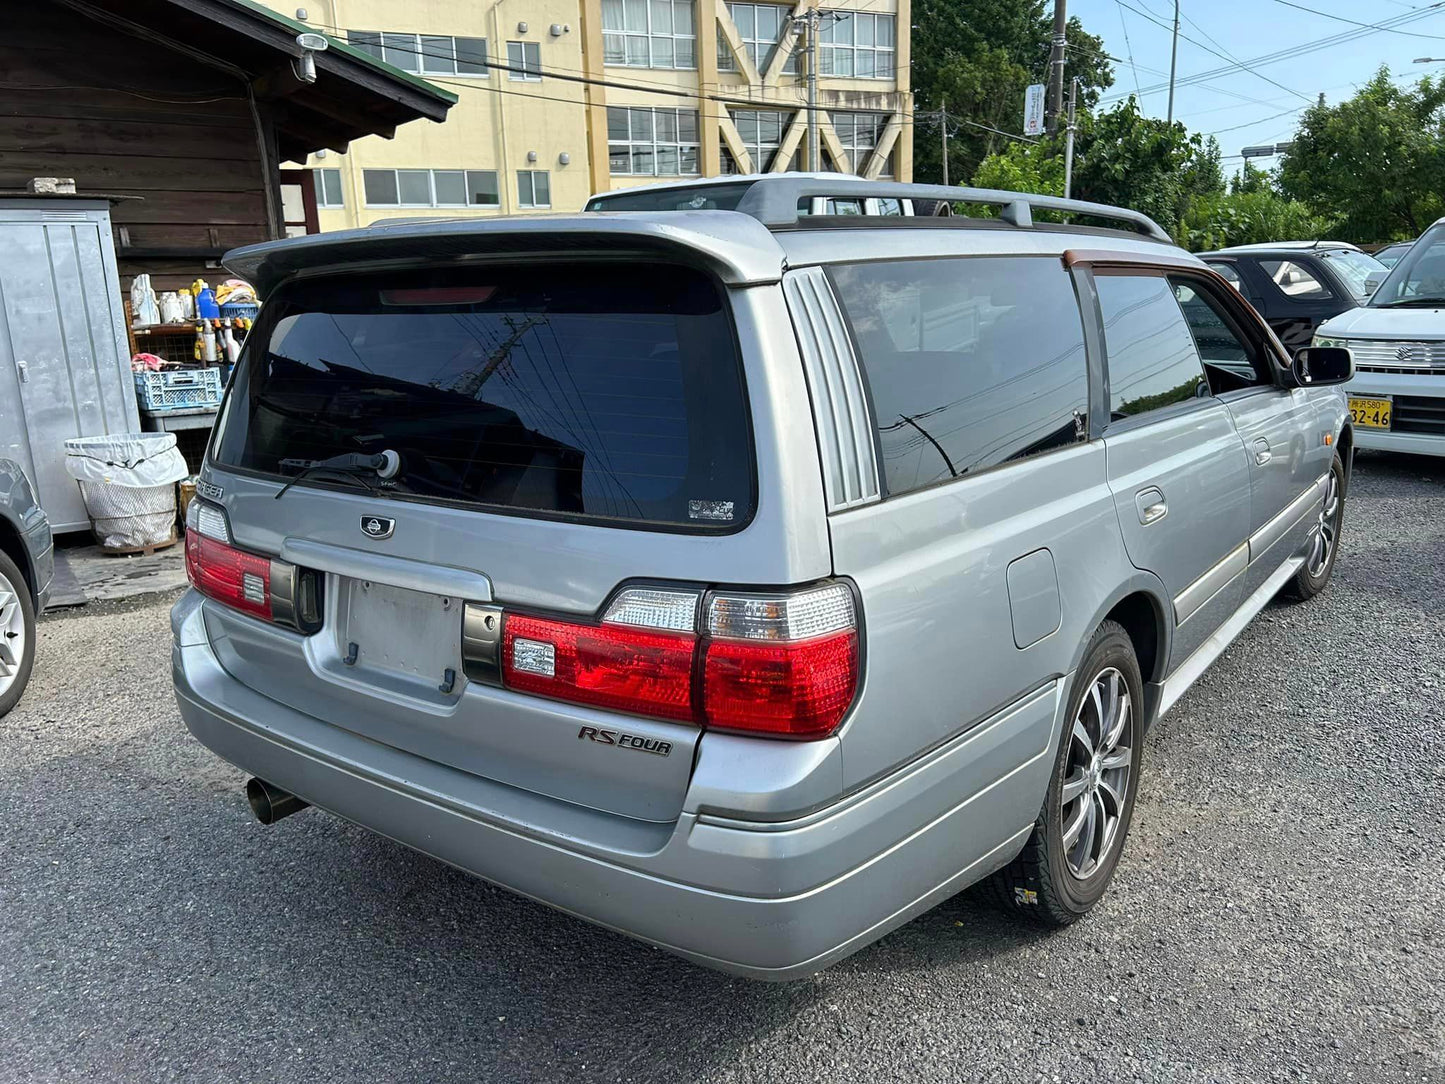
(270, 589)
(783, 664)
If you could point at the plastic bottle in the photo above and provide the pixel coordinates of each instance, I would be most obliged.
(206, 307)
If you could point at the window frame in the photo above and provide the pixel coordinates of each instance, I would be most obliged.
(726, 61)
(649, 34)
(531, 175)
(521, 71)
(431, 187)
(1322, 279)
(880, 121)
(755, 148)
(415, 48)
(320, 173)
(1077, 280)
(680, 145)
(828, 46)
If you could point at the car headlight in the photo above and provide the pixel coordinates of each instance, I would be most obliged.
(1321, 340)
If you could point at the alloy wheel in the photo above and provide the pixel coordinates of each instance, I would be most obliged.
(12, 634)
(1327, 530)
(1096, 778)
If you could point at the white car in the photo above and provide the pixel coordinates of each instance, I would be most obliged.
(1397, 397)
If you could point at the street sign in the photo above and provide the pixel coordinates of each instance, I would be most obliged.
(1034, 110)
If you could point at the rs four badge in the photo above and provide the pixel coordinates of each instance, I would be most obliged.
(377, 527)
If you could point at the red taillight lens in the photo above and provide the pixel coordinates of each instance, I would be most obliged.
(641, 671)
(229, 575)
(797, 690)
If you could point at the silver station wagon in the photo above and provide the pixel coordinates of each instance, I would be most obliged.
(744, 581)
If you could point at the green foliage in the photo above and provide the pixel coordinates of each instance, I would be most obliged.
(980, 55)
(1251, 179)
(1246, 217)
(1377, 160)
(1121, 158)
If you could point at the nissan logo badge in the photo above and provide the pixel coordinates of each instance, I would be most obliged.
(377, 527)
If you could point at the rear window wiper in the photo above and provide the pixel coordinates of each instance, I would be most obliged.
(353, 465)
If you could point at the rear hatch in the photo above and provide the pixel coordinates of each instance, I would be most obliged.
(573, 442)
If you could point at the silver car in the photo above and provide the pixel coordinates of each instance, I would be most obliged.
(744, 582)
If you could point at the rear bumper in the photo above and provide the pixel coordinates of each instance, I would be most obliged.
(769, 900)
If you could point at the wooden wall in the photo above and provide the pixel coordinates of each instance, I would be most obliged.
(123, 115)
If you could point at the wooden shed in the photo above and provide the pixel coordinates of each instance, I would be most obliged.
(173, 117)
(190, 105)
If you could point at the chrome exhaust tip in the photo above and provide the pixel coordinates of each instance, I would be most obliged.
(271, 803)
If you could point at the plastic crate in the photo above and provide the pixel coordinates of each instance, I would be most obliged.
(240, 308)
(184, 389)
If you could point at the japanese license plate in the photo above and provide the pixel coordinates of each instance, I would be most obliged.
(1370, 413)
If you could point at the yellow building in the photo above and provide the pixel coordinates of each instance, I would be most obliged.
(558, 99)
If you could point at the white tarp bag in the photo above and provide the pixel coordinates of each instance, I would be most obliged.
(128, 481)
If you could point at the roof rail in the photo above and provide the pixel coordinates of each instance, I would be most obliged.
(773, 200)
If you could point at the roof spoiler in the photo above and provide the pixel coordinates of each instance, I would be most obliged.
(773, 201)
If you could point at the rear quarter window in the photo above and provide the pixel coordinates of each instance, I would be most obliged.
(598, 391)
(971, 362)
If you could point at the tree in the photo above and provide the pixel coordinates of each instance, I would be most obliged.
(1251, 179)
(1246, 217)
(979, 56)
(1377, 160)
(1122, 158)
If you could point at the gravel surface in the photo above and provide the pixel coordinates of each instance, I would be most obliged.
(1277, 914)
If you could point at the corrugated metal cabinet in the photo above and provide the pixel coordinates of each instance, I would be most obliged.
(64, 356)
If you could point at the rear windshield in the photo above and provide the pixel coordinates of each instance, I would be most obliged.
(609, 391)
(711, 197)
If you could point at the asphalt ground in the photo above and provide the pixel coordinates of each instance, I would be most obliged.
(1279, 913)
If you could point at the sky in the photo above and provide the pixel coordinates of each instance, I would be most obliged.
(1215, 33)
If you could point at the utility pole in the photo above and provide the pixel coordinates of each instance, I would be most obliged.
(1069, 139)
(1056, 65)
(1173, 61)
(943, 126)
(809, 22)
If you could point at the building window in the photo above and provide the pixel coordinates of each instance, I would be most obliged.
(859, 133)
(328, 187)
(762, 132)
(524, 60)
(649, 34)
(761, 27)
(424, 54)
(534, 188)
(430, 187)
(652, 142)
(858, 45)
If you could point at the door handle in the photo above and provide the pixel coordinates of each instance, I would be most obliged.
(1151, 505)
(24, 370)
(1262, 454)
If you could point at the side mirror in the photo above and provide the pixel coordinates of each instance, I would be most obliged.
(1373, 280)
(1321, 366)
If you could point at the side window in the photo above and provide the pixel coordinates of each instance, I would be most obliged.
(971, 362)
(1295, 281)
(1219, 344)
(1153, 362)
(1230, 274)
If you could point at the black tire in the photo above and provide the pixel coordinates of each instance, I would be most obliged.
(1314, 576)
(932, 208)
(1042, 883)
(13, 583)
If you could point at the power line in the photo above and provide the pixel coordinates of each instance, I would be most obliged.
(1235, 64)
(1353, 22)
(1128, 46)
(1415, 15)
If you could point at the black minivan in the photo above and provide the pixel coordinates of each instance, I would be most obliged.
(1297, 285)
